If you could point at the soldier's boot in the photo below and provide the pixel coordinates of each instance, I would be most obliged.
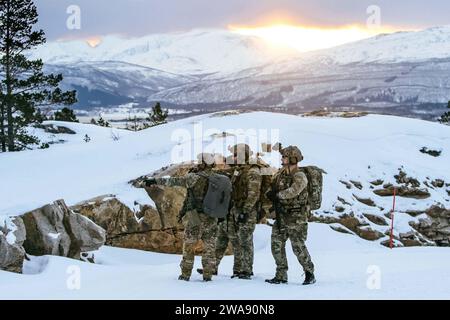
(183, 277)
(276, 281)
(185, 273)
(236, 274)
(245, 276)
(200, 271)
(309, 278)
(207, 279)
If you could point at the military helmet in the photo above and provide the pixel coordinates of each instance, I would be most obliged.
(242, 151)
(230, 161)
(206, 158)
(293, 153)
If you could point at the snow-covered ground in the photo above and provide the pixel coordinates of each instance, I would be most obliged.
(346, 268)
(362, 149)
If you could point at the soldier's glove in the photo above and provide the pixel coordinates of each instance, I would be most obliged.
(271, 196)
(242, 217)
(149, 182)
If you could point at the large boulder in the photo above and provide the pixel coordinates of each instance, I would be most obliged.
(148, 229)
(11, 255)
(55, 230)
(12, 236)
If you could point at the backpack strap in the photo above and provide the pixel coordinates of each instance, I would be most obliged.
(202, 174)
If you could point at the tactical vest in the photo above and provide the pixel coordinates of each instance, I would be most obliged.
(283, 181)
(196, 193)
(240, 184)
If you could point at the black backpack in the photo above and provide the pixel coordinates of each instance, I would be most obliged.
(217, 200)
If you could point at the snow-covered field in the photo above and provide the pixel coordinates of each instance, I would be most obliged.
(362, 149)
(346, 268)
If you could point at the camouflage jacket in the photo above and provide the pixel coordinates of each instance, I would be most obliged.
(291, 188)
(196, 185)
(246, 181)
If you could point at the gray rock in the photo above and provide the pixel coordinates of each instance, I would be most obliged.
(11, 256)
(55, 230)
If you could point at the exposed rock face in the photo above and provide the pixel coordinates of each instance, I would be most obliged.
(368, 202)
(357, 184)
(369, 234)
(346, 184)
(378, 182)
(436, 226)
(438, 183)
(55, 230)
(402, 178)
(403, 191)
(433, 153)
(376, 219)
(51, 128)
(50, 230)
(11, 255)
(145, 230)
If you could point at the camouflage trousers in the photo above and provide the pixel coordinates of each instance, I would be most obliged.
(226, 233)
(297, 233)
(241, 237)
(199, 226)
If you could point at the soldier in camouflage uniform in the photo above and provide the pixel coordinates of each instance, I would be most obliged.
(290, 196)
(226, 232)
(246, 181)
(197, 224)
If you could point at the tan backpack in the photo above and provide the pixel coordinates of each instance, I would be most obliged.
(315, 185)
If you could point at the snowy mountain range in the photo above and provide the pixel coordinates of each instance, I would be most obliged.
(406, 73)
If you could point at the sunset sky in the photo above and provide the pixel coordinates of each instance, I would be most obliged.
(275, 20)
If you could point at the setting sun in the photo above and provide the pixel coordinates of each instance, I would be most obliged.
(306, 39)
(93, 42)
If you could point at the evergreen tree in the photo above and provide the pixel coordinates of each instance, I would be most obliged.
(445, 118)
(66, 114)
(94, 122)
(157, 116)
(133, 124)
(103, 123)
(24, 88)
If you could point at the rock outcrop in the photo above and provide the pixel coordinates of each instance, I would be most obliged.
(403, 191)
(146, 229)
(11, 255)
(55, 230)
(51, 230)
(435, 226)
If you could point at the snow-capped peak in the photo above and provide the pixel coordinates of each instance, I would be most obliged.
(194, 52)
(432, 43)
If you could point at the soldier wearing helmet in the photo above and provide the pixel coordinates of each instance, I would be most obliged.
(197, 224)
(289, 194)
(240, 223)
